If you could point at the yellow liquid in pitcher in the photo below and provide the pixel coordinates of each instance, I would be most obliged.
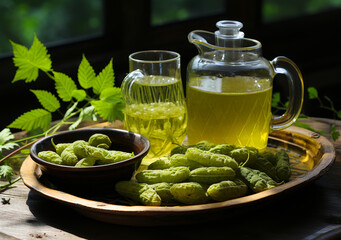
(161, 116)
(235, 110)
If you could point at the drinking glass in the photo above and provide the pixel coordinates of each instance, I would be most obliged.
(155, 103)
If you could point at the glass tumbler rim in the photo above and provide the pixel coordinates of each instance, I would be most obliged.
(172, 56)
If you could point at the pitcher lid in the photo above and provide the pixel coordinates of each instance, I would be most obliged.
(228, 37)
(229, 29)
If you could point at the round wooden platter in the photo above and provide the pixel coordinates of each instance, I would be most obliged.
(311, 155)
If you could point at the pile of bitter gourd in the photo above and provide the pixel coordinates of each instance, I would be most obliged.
(206, 172)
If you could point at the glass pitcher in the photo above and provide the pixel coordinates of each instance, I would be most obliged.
(229, 89)
(155, 102)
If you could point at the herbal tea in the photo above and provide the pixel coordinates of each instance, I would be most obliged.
(235, 110)
(159, 113)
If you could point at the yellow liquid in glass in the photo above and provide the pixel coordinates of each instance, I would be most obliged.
(234, 110)
(161, 116)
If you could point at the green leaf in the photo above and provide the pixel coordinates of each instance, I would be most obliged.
(30, 61)
(27, 74)
(47, 100)
(6, 172)
(307, 126)
(312, 92)
(5, 136)
(105, 79)
(39, 55)
(334, 133)
(86, 74)
(26, 71)
(32, 120)
(20, 53)
(109, 110)
(79, 95)
(64, 86)
(111, 93)
(8, 146)
(110, 105)
(276, 98)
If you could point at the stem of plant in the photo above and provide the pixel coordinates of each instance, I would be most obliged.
(17, 151)
(29, 138)
(5, 186)
(49, 75)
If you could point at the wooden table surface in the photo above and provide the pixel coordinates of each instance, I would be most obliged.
(313, 212)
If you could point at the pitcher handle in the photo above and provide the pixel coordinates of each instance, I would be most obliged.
(128, 82)
(283, 65)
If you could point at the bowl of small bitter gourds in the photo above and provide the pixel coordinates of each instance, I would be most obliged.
(91, 160)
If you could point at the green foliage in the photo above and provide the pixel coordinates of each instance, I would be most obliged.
(48, 20)
(64, 86)
(78, 94)
(29, 61)
(162, 12)
(32, 120)
(5, 137)
(47, 100)
(298, 123)
(312, 95)
(333, 133)
(109, 107)
(276, 99)
(6, 172)
(105, 99)
(105, 79)
(275, 10)
(6, 143)
(86, 74)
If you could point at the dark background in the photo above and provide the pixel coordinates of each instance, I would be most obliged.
(311, 40)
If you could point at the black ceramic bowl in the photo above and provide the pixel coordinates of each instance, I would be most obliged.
(94, 179)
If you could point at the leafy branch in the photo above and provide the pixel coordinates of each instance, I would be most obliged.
(313, 95)
(91, 96)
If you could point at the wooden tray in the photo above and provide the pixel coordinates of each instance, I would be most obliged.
(311, 157)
